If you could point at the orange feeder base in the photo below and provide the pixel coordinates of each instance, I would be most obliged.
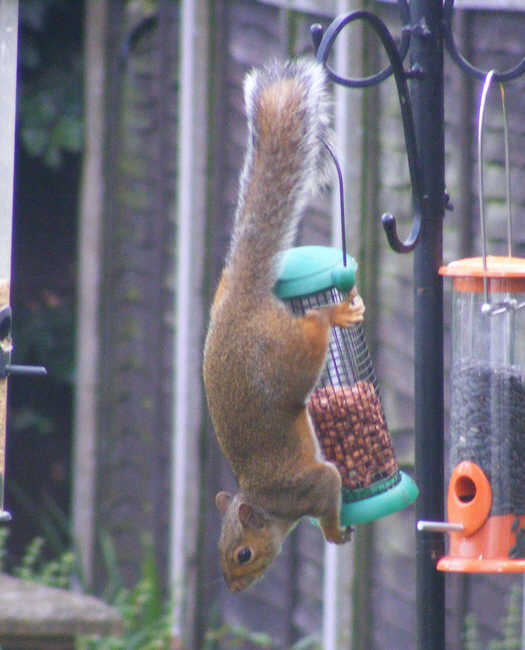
(487, 544)
(488, 550)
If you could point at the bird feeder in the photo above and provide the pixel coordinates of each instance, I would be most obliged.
(486, 446)
(486, 485)
(345, 406)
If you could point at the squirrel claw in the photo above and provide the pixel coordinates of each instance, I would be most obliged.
(346, 535)
(350, 311)
(341, 536)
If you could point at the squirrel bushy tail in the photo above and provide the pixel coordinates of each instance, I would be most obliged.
(287, 107)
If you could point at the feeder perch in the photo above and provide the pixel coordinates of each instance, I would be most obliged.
(345, 406)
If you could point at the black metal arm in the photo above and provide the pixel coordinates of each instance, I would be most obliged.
(323, 42)
(460, 60)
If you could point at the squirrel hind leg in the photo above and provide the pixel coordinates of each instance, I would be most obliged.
(330, 519)
(324, 496)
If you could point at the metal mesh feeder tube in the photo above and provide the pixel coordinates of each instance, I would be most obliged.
(345, 407)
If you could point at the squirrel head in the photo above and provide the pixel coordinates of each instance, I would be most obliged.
(250, 540)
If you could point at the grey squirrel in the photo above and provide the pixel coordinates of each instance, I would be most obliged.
(261, 362)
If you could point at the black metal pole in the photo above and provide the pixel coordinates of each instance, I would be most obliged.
(426, 51)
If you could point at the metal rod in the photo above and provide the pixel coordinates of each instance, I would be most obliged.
(426, 52)
(14, 369)
(481, 183)
(341, 199)
(507, 169)
(439, 526)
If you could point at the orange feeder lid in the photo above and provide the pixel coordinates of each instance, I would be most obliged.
(504, 274)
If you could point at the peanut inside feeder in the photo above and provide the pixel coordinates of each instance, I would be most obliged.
(345, 407)
(351, 428)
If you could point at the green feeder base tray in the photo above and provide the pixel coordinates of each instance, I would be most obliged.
(380, 505)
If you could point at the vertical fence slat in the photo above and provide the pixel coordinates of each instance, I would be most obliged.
(8, 58)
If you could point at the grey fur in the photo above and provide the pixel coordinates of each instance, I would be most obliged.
(303, 168)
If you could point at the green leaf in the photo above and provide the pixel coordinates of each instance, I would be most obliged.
(67, 134)
(34, 139)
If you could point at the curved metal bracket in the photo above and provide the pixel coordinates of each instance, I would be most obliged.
(323, 43)
(460, 60)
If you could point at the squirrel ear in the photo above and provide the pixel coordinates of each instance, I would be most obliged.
(222, 501)
(250, 517)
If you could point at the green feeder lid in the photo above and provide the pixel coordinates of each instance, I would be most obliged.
(309, 269)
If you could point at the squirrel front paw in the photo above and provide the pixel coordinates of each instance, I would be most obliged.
(350, 311)
(337, 535)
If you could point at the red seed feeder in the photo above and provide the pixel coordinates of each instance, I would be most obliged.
(345, 406)
(486, 441)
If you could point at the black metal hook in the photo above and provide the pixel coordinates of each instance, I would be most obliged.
(323, 43)
(460, 60)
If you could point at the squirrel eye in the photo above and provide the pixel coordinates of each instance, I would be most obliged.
(244, 555)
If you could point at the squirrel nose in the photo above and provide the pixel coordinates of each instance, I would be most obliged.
(234, 585)
(238, 585)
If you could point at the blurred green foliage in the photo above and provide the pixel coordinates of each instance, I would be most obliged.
(511, 626)
(44, 330)
(144, 610)
(50, 79)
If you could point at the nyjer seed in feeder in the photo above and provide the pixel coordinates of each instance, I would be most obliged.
(345, 406)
